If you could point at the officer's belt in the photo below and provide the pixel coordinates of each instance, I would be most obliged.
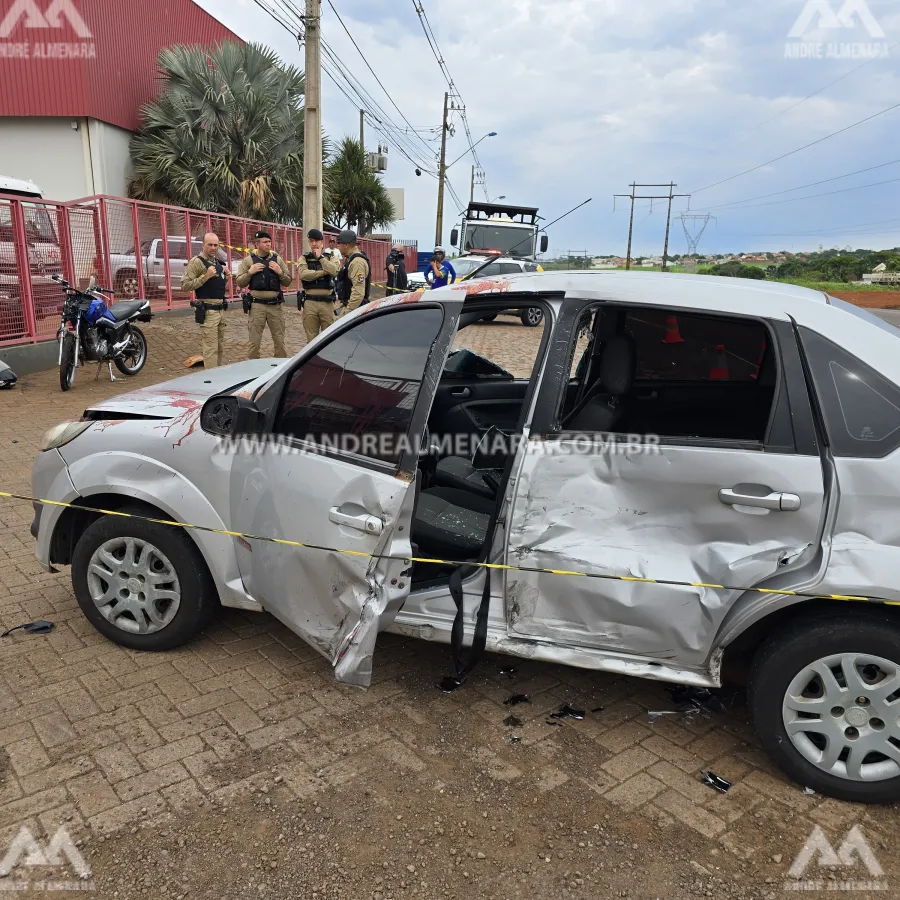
(271, 301)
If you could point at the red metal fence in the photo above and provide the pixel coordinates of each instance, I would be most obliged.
(138, 249)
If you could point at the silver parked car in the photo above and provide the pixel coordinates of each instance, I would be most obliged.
(737, 441)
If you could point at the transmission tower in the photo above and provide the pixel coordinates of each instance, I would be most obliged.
(694, 224)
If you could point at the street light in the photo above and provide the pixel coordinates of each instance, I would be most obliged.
(458, 158)
(442, 172)
(501, 197)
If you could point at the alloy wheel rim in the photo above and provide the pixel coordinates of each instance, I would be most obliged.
(134, 585)
(534, 316)
(842, 714)
(134, 357)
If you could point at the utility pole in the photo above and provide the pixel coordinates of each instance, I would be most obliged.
(472, 189)
(442, 169)
(668, 222)
(635, 196)
(312, 118)
(362, 130)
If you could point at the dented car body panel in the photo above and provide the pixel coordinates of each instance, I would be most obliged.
(621, 515)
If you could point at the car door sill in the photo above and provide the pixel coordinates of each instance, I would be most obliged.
(430, 628)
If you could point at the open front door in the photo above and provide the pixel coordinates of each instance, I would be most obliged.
(339, 472)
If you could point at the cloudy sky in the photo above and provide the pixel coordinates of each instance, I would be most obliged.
(587, 96)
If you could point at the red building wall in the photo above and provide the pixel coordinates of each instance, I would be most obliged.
(92, 58)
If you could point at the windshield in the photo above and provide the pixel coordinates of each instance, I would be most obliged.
(463, 266)
(497, 237)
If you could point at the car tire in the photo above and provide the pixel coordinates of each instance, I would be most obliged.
(127, 285)
(811, 745)
(532, 316)
(142, 549)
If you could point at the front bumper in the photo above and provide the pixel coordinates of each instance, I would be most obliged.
(49, 481)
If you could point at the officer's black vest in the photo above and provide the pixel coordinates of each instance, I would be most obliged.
(325, 283)
(345, 287)
(214, 289)
(266, 280)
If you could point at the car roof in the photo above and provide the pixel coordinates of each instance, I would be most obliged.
(741, 296)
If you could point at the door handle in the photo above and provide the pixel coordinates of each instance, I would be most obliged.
(775, 500)
(462, 393)
(368, 524)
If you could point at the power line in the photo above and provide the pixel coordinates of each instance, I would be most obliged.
(374, 74)
(821, 89)
(804, 186)
(451, 84)
(792, 152)
(345, 81)
(813, 196)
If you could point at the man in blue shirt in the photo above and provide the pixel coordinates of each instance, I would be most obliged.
(439, 272)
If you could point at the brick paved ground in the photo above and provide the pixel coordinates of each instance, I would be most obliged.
(102, 739)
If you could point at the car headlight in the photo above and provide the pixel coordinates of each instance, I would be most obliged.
(60, 435)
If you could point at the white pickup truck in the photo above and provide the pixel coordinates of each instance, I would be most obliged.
(124, 266)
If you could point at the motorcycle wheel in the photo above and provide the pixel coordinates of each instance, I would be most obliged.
(67, 362)
(135, 355)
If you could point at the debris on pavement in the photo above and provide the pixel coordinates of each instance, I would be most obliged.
(597, 709)
(654, 714)
(449, 684)
(509, 671)
(512, 721)
(716, 782)
(688, 698)
(41, 626)
(568, 712)
(516, 699)
(808, 790)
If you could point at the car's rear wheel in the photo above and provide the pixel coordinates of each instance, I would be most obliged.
(141, 584)
(532, 316)
(127, 285)
(825, 699)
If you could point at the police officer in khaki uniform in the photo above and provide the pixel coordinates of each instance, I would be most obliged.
(265, 275)
(354, 279)
(317, 270)
(207, 277)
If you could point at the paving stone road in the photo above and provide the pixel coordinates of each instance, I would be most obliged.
(113, 742)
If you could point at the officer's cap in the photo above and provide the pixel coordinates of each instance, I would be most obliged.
(262, 234)
(347, 237)
(315, 235)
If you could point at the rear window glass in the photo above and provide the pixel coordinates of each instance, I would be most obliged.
(695, 348)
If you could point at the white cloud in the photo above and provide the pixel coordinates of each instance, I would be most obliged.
(590, 95)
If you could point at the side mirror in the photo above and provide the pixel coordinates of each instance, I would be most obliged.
(544, 243)
(454, 237)
(229, 416)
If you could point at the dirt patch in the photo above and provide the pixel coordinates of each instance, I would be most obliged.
(870, 299)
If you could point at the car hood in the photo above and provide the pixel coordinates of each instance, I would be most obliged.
(170, 399)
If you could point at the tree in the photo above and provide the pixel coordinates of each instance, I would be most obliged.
(225, 133)
(354, 194)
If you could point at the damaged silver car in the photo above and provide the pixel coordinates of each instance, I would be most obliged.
(690, 476)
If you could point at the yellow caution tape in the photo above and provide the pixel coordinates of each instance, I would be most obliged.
(447, 562)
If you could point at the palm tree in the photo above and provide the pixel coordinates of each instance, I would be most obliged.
(225, 133)
(353, 194)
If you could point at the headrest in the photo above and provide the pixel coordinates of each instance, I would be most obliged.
(618, 365)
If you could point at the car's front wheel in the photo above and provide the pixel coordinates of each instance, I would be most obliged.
(532, 316)
(825, 699)
(141, 584)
